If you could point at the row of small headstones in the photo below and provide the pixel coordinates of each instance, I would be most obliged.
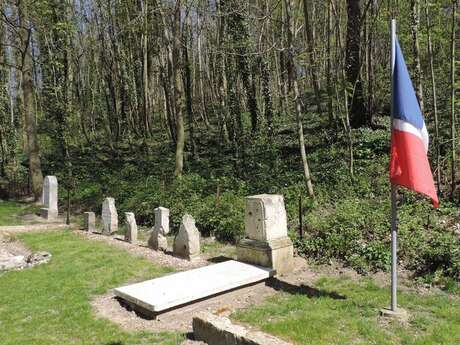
(186, 243)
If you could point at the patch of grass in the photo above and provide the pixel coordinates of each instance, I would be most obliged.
(11, 212)
(50, 303)
(345, 311)
(216, 248)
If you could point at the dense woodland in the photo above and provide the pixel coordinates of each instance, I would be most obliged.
(193, 104)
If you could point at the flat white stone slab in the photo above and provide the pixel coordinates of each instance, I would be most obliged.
(166, 292)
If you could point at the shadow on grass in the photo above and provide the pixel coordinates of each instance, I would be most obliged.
(301, 289)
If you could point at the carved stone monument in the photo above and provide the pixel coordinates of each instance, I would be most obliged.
(187, 241)
(109, 216)
(90, 221)
(131, 228)
(50, 198)
(158, 240)
(267, 243)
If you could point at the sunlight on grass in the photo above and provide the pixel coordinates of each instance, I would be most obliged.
(50, 304)
(435, 318)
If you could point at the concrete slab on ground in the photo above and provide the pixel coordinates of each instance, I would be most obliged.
(176, 289)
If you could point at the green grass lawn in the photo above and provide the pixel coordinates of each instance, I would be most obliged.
(50, 303)
(11, 212)
(346, 312)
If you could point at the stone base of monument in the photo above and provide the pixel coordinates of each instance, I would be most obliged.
(276, 254)
(399, 314)
(152, 297)
(48, 214)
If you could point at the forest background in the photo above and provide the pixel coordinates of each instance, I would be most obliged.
(193, 105)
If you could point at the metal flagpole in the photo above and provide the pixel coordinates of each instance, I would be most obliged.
(394, 225)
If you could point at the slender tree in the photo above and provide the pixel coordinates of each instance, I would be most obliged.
(28, 100)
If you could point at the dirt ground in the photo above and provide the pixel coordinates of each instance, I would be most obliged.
(180, 319)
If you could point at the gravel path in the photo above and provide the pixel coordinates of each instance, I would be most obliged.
(141, 249)
(33, 227)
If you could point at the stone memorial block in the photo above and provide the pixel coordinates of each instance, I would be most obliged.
(158, 240)
(265, 217)
(187, 241)
(131, 228)
(267, 243)
(90, 221)
(162, 220)
(50, 198)
(109, 216)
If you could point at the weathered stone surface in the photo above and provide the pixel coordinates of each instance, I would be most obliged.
(38, 258)
(9, 262)
(277, 254)
(158, 240)
(214, 329)
(109, 216)
(48, 214)
(90, 221)
(176, 289)
(265, 217)
(50, 190)
(162, 220)
(131, 228)
(398, 314)
(50, 198)
(187, 241)
(267, 243)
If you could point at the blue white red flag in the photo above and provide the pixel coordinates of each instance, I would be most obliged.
(409, 166)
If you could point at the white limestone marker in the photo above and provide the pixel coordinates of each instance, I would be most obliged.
(50, 198)
(173, 290)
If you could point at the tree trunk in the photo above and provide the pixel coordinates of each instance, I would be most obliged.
(357, 110)
(452, 103)
(415, 12)
(180, 131)
(312, 55)
(303, 153)
(30, 119)
(188, 85)
(435, 105)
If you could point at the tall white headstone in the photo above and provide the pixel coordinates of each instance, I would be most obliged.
(162, 219)
(131, 227)
(158, 240)
(50, 198)
(109, 216)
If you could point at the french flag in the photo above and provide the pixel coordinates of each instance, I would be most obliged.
(409, 166)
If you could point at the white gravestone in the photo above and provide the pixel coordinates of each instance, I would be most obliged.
(131, 228)
(267, 243)
(265, 217)
(158, 240)
(90, 221)
(153, 296)
(50, 198)
(109, 216)
(187, 241)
